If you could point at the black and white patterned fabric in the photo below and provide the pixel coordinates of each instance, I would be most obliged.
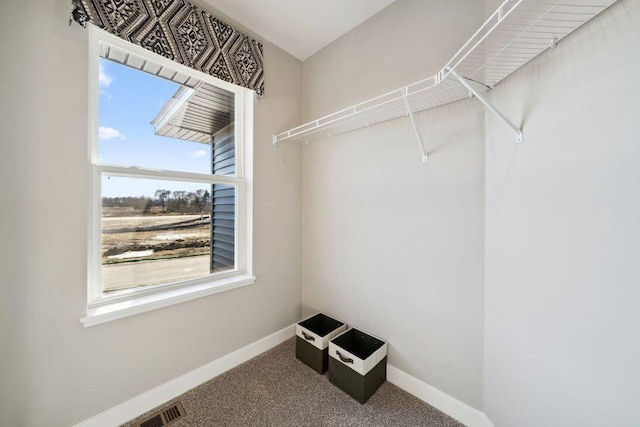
(181, 32)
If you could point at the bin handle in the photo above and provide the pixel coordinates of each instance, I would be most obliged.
(308, 337)
(344, 359)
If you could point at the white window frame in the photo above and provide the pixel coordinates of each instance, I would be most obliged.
(102, 307)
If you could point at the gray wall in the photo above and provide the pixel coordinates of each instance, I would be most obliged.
(562, 284)
(53, 371)
(390, 244)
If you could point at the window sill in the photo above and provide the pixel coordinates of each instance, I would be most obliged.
(141, 304)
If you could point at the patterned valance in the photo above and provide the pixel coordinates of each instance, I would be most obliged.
(181, 32)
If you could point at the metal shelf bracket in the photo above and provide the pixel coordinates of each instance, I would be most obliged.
(486, 102)
(405, 92)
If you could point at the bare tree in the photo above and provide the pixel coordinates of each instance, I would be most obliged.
(139, 203)
(201, 199)
(148, 205)
(180, 201)
(162, 196)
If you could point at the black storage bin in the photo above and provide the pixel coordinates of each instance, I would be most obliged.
(312, 340)
(357, 363)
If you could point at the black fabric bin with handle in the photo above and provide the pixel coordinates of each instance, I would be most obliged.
(357, 363)
(312, 340)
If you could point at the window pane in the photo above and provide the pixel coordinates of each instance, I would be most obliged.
(153, 122)
(159, 231)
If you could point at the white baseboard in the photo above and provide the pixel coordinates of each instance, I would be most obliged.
(487, 422)
(440, 400)
(153, 398)
(145, 402)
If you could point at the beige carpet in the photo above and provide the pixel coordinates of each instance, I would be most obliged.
(276, 389)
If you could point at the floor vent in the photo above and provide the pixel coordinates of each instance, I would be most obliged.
(164, 418)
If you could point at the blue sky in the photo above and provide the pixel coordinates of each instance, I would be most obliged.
(129, 101)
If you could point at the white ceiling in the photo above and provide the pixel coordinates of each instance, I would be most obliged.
(300, 27)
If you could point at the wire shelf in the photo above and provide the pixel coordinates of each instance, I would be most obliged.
(518, 31)
(421, 95)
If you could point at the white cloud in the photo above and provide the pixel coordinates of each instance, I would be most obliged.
(109, 133)
(198, 154)
(104, 79)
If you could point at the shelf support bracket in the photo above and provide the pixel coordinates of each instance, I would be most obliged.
(487, 104)
(425, 156)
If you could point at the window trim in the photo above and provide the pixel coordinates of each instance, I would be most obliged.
(101, 308)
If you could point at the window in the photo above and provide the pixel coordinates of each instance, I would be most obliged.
(170, 159)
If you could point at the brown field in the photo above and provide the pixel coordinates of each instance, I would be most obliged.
(152, 237)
